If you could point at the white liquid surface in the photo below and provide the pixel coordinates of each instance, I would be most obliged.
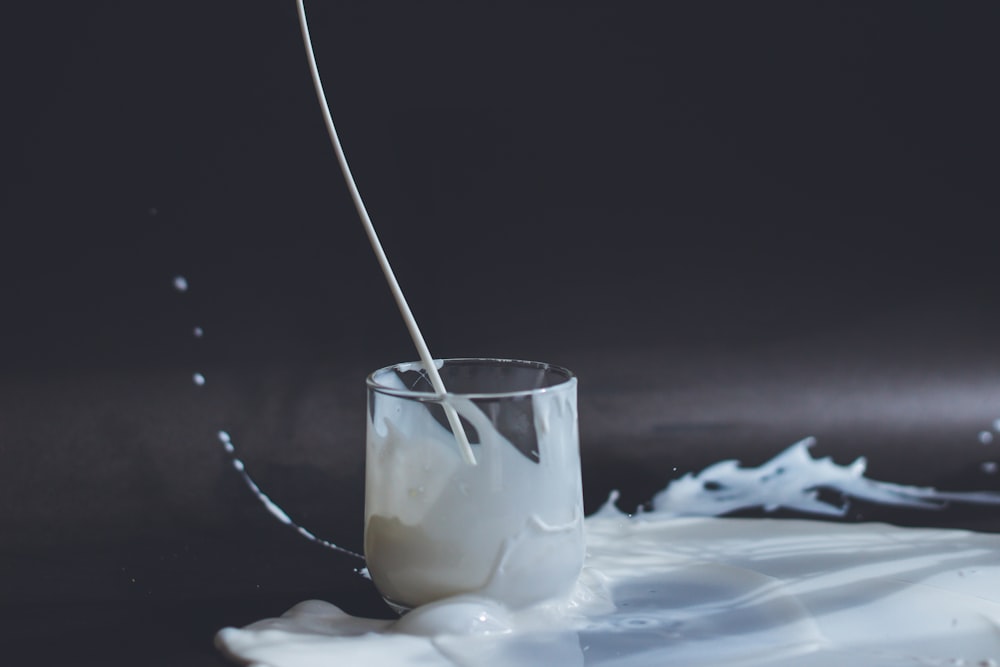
(671, 588)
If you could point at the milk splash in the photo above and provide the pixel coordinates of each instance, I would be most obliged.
(793, 480)
(273, 507)
(676, 586)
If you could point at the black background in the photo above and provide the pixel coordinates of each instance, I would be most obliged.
(739, 223)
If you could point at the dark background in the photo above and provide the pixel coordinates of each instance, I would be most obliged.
(739, 223)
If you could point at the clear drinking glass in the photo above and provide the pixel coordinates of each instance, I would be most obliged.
(509, 527)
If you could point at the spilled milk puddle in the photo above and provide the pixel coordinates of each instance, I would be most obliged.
(681, 586)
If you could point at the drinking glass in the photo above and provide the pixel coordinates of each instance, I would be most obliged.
(510, 526)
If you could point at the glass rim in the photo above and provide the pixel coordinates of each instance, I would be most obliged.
(568, 379)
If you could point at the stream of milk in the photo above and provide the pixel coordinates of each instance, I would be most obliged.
(677, 586)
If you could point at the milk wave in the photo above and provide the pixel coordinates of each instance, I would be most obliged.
(792, 480)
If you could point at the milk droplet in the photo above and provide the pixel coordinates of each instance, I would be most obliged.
(989, 467)
(198, 332)
(270, 505)
(199, 379)
(180, 283)
(985, 437)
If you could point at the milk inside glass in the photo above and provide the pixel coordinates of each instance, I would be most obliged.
(509, 527)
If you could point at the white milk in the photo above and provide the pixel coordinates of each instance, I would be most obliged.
(273, 507)
(694, 591)
(662, 589)
(509, 527)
